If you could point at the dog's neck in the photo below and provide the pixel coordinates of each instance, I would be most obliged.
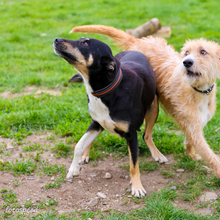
(111, 87)
(103, 78)
(204, 91)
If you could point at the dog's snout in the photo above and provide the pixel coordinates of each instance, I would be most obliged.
(57, 40)
(188, 63)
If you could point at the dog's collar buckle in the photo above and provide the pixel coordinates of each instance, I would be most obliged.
(207, 91)
(110, 88)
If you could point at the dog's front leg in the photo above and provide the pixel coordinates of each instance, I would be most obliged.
(202, 148)
(93, 131)
(190, 150)
(137, 188)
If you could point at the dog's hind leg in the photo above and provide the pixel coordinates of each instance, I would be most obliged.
(150, 119)
(85, 156)
(137, 188)
(93, 131)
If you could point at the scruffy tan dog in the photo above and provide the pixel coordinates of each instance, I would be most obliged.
(185, 85)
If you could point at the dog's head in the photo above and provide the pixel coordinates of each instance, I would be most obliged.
(87, 55)
(201, 62)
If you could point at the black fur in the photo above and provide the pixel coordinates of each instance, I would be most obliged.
(130, 101)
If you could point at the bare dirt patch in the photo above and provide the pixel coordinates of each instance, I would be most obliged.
(30, 90)
(82, 192)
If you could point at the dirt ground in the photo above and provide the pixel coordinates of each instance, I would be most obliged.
(89, 191)
(28, 90)
(82, 192)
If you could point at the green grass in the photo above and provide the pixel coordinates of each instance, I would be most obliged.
(56, 184)
(47, 202)
(9, 197)
(19, 167)
(31, 147)
(50, 169)
(23, 167)
(28, 29)
(158, 206)
(61, 149)
(10, 200)
(145, 167)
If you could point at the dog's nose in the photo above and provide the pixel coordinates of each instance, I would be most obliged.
(188, 63)
(57, 40)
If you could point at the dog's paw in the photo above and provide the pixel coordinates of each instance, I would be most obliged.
(197, 157)
(137, 189)
(84, 160)
(73, 172)
(161, 159)
(138, 192)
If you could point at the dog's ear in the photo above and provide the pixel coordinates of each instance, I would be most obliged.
(108, 63)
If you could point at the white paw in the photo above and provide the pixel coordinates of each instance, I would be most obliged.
(161, 159)
(73, 172)
(138, 192)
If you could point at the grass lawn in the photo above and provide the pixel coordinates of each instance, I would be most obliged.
(27, 61)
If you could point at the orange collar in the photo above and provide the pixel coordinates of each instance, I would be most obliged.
(110, 88)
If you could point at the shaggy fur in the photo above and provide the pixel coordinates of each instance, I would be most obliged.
(190, 109)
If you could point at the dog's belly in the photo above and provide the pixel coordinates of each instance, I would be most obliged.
(100, 113)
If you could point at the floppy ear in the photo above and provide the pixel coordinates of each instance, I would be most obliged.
(108, 63)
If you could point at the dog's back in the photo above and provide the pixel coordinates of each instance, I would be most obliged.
(136, 65)
(137, 62)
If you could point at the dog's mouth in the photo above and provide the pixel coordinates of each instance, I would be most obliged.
(60, 51)
(193, 74)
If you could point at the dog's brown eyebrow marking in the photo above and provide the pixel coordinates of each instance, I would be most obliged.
(201, 48)
(90, 60)
(87, 38)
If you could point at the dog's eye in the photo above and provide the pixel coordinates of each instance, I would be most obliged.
(85, 43)
(203, 52)
(186, 53)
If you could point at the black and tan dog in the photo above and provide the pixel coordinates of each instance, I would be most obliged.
(121, 94)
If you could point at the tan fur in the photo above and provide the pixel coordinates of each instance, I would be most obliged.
(150, 119)
(190, 109)
(85, 156)
(137, 187)
(82, 64)
(122, 126)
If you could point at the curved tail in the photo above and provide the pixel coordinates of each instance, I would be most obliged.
(123, 39)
